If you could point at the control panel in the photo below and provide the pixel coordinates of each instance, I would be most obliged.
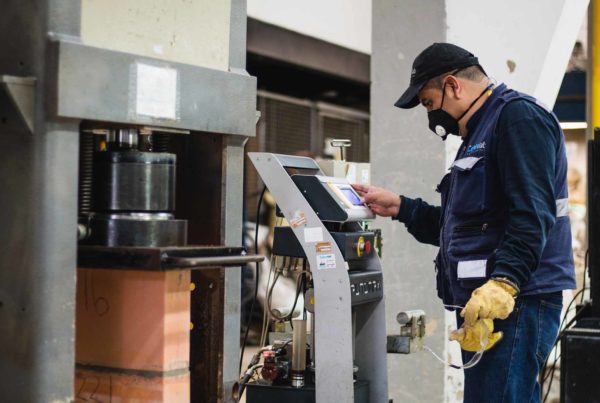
(353, 245)
(332, 199)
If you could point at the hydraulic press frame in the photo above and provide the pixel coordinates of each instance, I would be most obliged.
(51, 81)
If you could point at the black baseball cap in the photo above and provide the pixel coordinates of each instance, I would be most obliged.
(437, 59)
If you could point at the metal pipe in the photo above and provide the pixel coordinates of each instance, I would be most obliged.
(311, 317)
(299, 353)
(212, 260)
(120, 139)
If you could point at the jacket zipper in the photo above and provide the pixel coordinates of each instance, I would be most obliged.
(471, 228)
(475, 252)
(447, 206)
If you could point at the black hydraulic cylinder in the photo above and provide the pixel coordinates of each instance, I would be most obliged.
(133, 181)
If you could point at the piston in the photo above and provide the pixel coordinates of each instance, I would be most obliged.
(133, 196)
(133, 181)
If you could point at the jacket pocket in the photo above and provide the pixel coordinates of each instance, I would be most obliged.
(471, 253)
(468, 193)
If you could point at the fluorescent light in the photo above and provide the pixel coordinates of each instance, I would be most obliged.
(573, 125)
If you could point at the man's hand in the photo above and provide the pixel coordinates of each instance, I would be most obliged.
(493, 300)
(470, 337)
(383, 202)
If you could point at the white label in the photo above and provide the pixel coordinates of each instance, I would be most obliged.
(351, 173)
(364, 176)
(562, 207)
(471, 269)
(466, 163)
(156, 92)
(313, 234)
(326, 261)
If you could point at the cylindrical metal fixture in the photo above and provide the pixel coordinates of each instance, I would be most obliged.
(133, 196)
(133, 181)
(122, 139)
(136, 229)
(299, 353)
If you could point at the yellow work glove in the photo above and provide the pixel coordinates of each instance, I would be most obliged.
(469, 337)
(493, 300)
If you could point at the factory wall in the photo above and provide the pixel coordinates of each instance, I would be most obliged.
(343, 22)
(194, 32)
(407, 160)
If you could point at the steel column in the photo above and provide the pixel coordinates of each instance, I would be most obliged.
(232, 198)
(38, 210)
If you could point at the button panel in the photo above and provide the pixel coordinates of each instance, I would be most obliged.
(355, 245)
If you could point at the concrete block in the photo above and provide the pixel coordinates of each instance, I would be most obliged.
(133, 319)
(114, 387)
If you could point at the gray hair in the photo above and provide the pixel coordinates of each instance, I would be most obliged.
(472, 73)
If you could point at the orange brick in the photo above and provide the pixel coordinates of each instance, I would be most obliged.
(113, 387)
(133, 319)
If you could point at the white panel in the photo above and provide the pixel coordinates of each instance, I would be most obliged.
(566, 32)
(156, 92)
(527, 49)
(192, 31)
(343, 22)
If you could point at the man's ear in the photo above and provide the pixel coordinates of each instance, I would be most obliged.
(455, 86)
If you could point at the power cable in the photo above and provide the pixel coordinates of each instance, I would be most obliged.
(483, 340)
(585, 267)
(562, 327)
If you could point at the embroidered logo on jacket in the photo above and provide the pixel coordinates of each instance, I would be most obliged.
(476, 147)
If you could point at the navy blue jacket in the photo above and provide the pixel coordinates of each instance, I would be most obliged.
(504, 209)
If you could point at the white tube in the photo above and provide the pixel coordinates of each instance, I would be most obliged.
(298, 353)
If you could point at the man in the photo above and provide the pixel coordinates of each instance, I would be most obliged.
(502, 228)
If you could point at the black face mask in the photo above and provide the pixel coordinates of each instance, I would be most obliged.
(442, 123)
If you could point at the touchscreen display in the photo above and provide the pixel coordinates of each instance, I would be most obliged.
(351, 195)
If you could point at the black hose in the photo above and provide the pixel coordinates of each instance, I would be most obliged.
(244, 382)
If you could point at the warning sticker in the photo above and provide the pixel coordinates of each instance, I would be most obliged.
(298, 220)
(326, 261)
(323, 247)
